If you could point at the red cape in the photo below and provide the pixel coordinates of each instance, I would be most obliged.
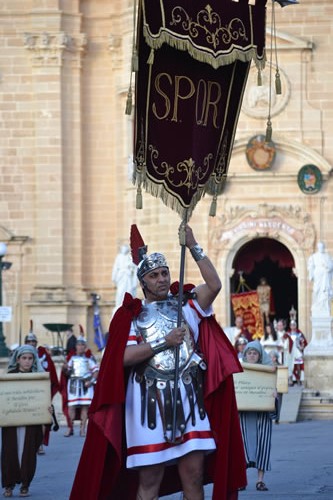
(55, 387)
(103, 457)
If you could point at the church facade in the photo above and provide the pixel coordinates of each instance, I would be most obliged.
(67, 200)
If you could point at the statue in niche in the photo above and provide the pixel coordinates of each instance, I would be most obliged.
(320, 269)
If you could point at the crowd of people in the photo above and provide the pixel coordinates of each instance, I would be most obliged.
(21, 444)
(147, 445)
(285, 344)
(279, 346)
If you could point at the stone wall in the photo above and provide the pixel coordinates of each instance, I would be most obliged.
(67, 202)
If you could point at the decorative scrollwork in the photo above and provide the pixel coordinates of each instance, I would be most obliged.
(185, 174)
(209, 23)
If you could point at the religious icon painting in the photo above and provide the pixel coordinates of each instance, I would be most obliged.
(260, 154)
(309, 179)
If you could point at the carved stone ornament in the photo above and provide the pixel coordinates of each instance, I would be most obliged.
(264, 220)
(50, 49)
(256, 98)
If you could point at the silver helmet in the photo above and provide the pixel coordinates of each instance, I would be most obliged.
(30, 337)
(149, 263)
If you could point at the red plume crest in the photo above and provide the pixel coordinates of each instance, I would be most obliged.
(138, 247)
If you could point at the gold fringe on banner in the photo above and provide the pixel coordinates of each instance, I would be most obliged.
(202, 55)
(159, 191)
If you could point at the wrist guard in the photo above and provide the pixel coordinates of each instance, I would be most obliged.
(158, 345)
(197, 253)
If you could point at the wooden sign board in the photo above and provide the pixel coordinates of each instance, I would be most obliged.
(282, 379)
(25, 399)
(255, 387)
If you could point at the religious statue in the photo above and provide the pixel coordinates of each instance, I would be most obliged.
(264, 296)
(320, 269)
(124, 274)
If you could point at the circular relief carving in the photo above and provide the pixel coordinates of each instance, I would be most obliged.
(256, 98)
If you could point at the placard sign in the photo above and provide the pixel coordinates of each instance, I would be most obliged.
(5, 314)
(255, 387)
(25, 399)
(282, 379)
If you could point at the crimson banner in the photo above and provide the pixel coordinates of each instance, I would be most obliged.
(194, 60)
(246, 304)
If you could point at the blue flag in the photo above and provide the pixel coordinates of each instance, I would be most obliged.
(99, 338)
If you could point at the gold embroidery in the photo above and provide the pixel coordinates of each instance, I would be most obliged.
(189, 174)
(210, 23)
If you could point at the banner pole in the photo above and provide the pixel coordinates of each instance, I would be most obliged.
(179, 323)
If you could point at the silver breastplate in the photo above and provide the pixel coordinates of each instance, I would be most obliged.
(80, 367)
(154, 322)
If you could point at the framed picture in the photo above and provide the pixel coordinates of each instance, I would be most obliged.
(309, 179)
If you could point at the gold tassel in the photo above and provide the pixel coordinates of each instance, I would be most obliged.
(259, 78)
(129, 104)
(269, 131)
(278, 88)
(151, 57)
(135, 62)
(139, 203)
(213, 206)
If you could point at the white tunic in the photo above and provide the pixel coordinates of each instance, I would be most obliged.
(77, 393)
(146, 446)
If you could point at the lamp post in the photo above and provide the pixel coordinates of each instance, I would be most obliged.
(3, 266)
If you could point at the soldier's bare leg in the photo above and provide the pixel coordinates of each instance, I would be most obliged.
(150, 478)
(190, 468)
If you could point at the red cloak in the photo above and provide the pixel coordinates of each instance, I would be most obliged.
(55, 387)
(103, 457)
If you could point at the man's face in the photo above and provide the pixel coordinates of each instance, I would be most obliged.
(32, 342)
(156, 284)
(239, 322)
(80, 347)
(280, 326)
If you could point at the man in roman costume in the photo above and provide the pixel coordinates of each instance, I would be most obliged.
(82, 372)
(152, 457)
(300, 344)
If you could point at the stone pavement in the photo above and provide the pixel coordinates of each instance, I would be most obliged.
(302, 466)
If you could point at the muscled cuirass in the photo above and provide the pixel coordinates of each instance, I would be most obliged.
(80, 367)
(154, 322)
(156, 376)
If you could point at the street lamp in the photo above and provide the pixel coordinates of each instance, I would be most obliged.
(3, 266)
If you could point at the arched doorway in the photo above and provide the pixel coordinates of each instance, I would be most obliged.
(266, 257)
